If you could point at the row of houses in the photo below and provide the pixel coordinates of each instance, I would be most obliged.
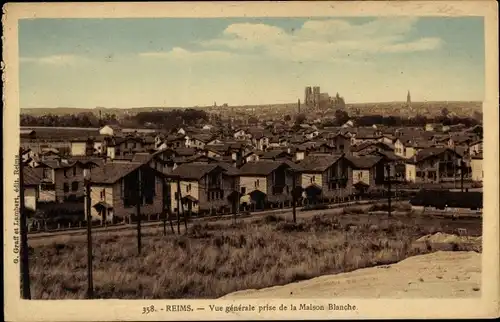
(244, 170)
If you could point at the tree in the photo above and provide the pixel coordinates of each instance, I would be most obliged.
(253, 120)
(287, 118)
(445, 112)
(300, 118)
(341, 117)
(478, 116)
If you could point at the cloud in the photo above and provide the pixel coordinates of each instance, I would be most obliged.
(53, 60)
(181, 54)
(325, 40)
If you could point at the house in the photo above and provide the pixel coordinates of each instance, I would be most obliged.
(275, 155)
(216, 151)
(325, 177)
(82, 146)
(251, 156)
(181, 131)
(341, 142)
(110, 130)
(128, 145)
(274, 142)
(311, 133)
(460, 140)
(368, 172)
(476, 164)
(115, 190)
(259, 138)
(61, 180)
(433, 165)
(407, 146)
(267, 183)
(397, 164)
(32, 178)
(348, 124)
(476, 147)
(370, 146)
(431, 127)
(204, 188)
(200, 140)
(240, 134)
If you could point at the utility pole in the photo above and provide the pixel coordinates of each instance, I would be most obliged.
(184, 216)
(294, 196)
(454, 166)
(178, 205)
(169, 212)
(163, 208)
(25, 272)
(462, 170)
(138, 205)
(237, 210)
(88, 203)
(388, 169)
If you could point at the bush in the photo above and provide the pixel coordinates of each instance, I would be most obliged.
(354, 210)
(272, 219)
(290, 227)
(315, 207)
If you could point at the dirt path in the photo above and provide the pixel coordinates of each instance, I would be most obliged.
(436, 275)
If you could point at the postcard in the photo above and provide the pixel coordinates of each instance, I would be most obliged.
(250, 160)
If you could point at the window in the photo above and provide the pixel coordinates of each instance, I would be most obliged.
(360, 175)
(74, 186)
(341, 147)
(46, 173)
(243, 190)
(188, 188)
(74, 171)
(66, 187)
(65, 173)
(103, 194)
(257, 183)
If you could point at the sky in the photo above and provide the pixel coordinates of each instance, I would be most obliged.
(123, 63)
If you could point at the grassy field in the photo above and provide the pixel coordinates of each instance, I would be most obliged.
(213, 259)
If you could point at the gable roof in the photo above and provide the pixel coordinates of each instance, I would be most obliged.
(185, 151)
(57, 164)
(319, 163)
(261, 167)
(32, 176)
(271, 154)
(431, 152)
(142, 157)
(202, 137)
(113, 171)
(364, 162)
(193, 171)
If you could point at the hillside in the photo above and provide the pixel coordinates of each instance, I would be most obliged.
(460, 108)
(434, 275)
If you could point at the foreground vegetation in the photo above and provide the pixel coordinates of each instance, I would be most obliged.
(214, 259)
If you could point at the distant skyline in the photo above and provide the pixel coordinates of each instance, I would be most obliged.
(174, 62)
